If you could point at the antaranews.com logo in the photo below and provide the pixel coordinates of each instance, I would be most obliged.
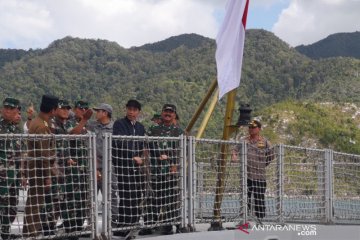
(301, 229)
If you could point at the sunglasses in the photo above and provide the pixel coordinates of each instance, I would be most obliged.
(83, 108)
(252, 127)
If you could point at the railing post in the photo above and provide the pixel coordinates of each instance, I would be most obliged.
(93, 184)
(106, 230)
(280, 183)
(190, 184)
(329, 186)
(183, 180)
(244, 180)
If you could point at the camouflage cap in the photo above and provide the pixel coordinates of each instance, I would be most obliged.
(81, 104)
(169, 107)
(156, 116)
(64, 104)
(12, 102)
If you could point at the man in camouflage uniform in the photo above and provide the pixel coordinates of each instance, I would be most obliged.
(59, 125)
(164, 170)
(39, 172)
(9, 167)
(76, 171)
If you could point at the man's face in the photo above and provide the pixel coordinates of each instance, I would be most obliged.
(254, 130)
(132, 113)
(9, 113)
(168, 116)
(62, 113)
(100, 115)
(17, 118)
(79, 111)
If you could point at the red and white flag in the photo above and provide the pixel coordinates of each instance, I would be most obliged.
(230, 45)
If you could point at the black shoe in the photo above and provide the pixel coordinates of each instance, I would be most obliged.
(145, 231)
(167, 230)
(60, 226)
(9, 236)
(72, 238)
(48, 233)
(121, 233)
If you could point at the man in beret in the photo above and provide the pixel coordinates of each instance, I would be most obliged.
(127, 159)
(42, 157)
(164, 171)
(259, 156)
(9, 169)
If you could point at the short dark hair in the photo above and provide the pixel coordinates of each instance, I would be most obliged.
(48, 103)
(133, 103)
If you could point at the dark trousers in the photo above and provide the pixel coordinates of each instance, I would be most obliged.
(256, 189)
(164, 207)
(8, 210)
(129, 193)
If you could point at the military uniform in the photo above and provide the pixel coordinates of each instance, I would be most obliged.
(9, 172)
(59, 127)
(76, 180)
(259, 156)
(164, 179)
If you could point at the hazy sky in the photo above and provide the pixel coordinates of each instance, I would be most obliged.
(36, 23)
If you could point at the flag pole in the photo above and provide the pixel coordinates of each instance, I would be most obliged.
(201, 107)
(208, 114)
(229, 53)
(220, 184)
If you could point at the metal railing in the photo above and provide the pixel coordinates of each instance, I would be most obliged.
(302, 184)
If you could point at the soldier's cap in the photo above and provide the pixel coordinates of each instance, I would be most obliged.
(169, 107)
(133, 103)
(81, 104)
(254, 124)
(11, 102)
(105, 107)
(64, 104)
(156, 116)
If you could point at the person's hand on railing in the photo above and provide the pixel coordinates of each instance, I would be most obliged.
(138, 160)
(47, 182)
(24, 182)
(234, 156)
(71, 162)
(163, 157)
(173, 169)
(98, 175)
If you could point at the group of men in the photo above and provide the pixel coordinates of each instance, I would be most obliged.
(55, 169)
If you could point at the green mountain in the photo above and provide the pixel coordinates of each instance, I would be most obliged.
(187, 40)
(10, 55)
(177, 70)
(335, 45)
(314, 125)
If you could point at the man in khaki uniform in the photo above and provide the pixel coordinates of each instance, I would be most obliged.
(41, 158)
(259, 156)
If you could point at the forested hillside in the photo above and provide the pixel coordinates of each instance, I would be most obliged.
(335, 45)
(177, 70)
